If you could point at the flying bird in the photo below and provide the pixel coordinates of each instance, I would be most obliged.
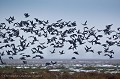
(61, 52)
(73, 58)
(26, 15)
(24, 62)
(99, 52)
(76, 53)
(52, 51)
(110, 56)
(84, 23)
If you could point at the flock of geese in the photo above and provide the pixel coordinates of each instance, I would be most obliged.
(57, 35)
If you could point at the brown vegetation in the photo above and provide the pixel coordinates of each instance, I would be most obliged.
(58, 75)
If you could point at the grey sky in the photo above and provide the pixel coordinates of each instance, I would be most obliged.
(98, 13)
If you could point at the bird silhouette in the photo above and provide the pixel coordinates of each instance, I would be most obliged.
(110, 43)
(2, 53)
(9, 21)
(109, 26)
(47, 64)
(106, 49)
(88, 49)
(59, 20)
(110, 56)
(99, 52)
(104, 45)
(41, 57)
(9, 52)
(53, 62)
(26, 15)
(22, 58)
(73, 58)
(76, 53)
(52, 51)
(84, 23)
(115, 37)
(26, 55)
(37, 50)
(61, 52)
(2, 61)
(111, 52)
(10, 58)
(12, 18)
(24, 62)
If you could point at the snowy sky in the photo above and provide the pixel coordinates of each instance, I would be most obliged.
(98, 13)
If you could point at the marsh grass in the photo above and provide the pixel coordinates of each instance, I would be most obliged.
(14, 73)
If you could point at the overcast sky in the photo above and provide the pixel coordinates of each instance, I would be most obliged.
(98, 13)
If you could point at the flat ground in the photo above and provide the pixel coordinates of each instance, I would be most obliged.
(14, 73)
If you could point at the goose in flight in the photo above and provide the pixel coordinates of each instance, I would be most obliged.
(61, 52)
(76, 53)
(99, 52)
(26, 15)
(73, 58)
(52, 51)
(84, 23)
(109, 55)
